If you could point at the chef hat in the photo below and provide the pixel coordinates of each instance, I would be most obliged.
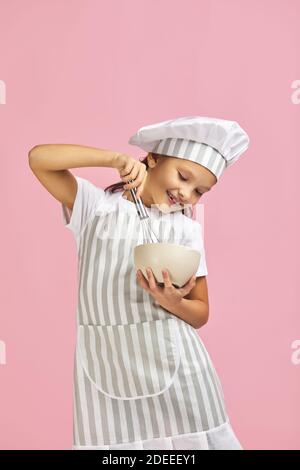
(211, 142)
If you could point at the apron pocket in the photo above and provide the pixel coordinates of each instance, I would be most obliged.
(130, 361)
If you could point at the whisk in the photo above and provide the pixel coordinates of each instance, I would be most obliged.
(148, 234)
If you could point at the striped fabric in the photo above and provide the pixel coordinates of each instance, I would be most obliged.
(194, 402)
(141, 375)
(130, 361)
(197, 152)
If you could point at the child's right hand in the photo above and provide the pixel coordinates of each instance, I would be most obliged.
(131, 169)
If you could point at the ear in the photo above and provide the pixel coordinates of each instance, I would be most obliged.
(152, 160)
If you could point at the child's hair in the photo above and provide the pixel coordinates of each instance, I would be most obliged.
(189, 212)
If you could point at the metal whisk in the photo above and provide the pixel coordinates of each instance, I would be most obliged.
(148, 234)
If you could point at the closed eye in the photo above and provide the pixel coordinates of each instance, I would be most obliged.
(185, 179)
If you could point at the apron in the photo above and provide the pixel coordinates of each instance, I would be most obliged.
(143, 379)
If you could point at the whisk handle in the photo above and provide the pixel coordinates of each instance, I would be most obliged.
(142, 212)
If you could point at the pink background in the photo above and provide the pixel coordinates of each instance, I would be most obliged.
(92, 72)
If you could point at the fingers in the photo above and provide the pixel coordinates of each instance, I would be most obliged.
(138, 175)
(130, 169)
(132, 174)
(151, 279)
(127, 169)
(151, 284)
(188, 286)
(185, 289)
(166, 279)
(142, 280)
(141, 186)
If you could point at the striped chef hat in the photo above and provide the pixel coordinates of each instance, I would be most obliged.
(211, 142)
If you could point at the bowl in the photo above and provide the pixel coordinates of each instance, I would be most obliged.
(181, 261)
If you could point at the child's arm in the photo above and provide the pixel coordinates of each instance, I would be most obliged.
(200, 293)
(194, 307)
(50, 163)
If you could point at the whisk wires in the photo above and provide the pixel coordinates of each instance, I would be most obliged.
(149, 236)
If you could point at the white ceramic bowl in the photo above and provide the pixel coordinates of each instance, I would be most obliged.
(180, 261)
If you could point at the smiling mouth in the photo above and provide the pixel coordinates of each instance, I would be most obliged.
(171, 198)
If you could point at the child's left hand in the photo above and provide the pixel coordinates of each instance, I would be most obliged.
(168, 295)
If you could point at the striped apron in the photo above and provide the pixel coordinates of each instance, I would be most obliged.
(141, 374)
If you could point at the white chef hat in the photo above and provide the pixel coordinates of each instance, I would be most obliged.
(211, 142)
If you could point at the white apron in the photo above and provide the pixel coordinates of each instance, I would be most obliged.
(142, 377)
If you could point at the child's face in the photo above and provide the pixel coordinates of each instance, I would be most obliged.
(185, 180)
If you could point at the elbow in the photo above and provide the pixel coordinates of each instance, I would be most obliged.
(200, 324)
(33, 150)
(203, 319)
(32, 155)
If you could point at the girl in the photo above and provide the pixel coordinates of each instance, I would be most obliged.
(143, 378)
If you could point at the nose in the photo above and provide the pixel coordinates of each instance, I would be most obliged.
(184, 196)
